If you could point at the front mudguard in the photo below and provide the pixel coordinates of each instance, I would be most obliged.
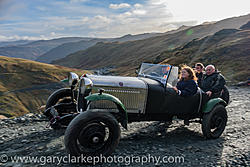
(211, 103)
(120, 106)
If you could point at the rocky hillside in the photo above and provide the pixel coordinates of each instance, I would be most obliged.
(120, 55)
(228, 49)
(25, 85)
(245, 26)
(33, 50)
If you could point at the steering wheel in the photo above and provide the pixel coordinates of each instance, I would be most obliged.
(154, 74)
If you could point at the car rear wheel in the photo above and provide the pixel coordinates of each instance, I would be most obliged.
(214, 122)
(225, 95)
(92, 134)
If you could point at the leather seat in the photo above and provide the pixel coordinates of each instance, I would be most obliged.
(175, 104)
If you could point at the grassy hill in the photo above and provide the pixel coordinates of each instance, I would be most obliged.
(25, 85)
(125, 57)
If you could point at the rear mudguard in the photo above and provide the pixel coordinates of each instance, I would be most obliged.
(120, 106)
(211, 103)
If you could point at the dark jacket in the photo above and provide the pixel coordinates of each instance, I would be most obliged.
(199, 77)
(187, 88)
(214, 83)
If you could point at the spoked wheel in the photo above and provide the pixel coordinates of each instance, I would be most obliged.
(214, 122)
(92, 134)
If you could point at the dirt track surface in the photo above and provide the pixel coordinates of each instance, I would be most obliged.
(175, 144)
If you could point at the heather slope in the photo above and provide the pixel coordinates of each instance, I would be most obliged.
(25, 85)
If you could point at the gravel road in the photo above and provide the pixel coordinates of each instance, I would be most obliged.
(158, 143)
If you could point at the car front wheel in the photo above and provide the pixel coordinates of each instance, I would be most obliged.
(59, 96)
(214, 122)
(92, 134)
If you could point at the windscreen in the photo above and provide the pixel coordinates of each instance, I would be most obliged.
(155, 71)
(173, 77)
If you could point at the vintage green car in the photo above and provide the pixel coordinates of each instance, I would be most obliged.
(94, 105)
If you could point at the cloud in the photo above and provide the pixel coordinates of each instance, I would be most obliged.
(139, 12)
(151, 16)
(102, 19)
(41, 8)
(207, 10)
(119, 6)
(45, 27)
(9, 8)
(72, 18)
(137, 5)
(99, 22)
(53, 34)
(17, 37)
(85, 19)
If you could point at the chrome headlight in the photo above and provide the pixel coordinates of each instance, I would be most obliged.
(85, 85)
(73, 78)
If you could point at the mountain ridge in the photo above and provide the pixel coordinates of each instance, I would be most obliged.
(65, 49)
(119, 55)
(227, 49)
(32, 50)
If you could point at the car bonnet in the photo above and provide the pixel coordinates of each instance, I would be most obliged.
(117, 81)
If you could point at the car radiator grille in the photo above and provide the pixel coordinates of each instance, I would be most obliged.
(134, 99)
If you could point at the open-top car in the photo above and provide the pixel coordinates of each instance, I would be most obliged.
(93, 107)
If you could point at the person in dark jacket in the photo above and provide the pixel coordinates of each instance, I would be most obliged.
(199, 72)
(213, 82)
(187, 85)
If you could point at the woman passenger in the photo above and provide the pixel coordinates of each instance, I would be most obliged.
(187, 85)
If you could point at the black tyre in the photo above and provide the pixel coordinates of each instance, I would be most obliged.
(62, 96)
(225, 95)
(59, 96)
(92, 134)
(214, 122)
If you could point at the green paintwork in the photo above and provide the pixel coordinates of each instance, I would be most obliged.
(105, 96)
(65, 80)
(211, 103)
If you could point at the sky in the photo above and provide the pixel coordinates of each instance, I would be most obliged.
(47, 19)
